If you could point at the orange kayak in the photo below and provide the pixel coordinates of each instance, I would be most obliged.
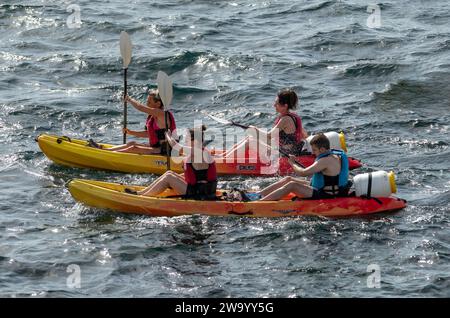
(112, 196)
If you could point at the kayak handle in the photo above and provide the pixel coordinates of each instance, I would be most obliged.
(60, 139)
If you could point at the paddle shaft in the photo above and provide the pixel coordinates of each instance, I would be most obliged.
(240, 125)
(284, 153)
(124, 104)
(167, 142)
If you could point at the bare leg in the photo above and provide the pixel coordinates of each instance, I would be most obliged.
(243, 148)
(139, 149)
(275, 186)
(167, 180)
(299, 189)
(232, 150)
(178, 175)
(143, 150)
(125, 146)
(281, 183)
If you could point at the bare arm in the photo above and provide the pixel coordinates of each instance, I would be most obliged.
(156, 112)
(141, 134)
(172, 142)
(304, 133)
(266, 134)
(281, 125)
(176, 145)
(312, 169)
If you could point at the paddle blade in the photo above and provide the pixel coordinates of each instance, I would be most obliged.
(220, 120)
(228, 122)
(165, 89)
(125, 48)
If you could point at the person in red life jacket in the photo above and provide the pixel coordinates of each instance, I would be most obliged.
(288, 124)
(329, 175)
(199, 180)
(155, 127)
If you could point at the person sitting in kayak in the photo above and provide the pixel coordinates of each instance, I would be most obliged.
(288, 123)
(199, 180)
(329, 175)
(155, 127)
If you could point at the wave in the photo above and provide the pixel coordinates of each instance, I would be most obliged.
(311, 8)
(229, 22)
(15, 8)
(371, 69)
(433, 16)
(440, 200)
(42, 46)
(318, 6)
(424, 143)
(438, 287)
(141, 67)
(443, 46)
(432, 92)
(350, 36)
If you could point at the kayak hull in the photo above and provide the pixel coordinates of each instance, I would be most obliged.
(76, 153)
(112, 196)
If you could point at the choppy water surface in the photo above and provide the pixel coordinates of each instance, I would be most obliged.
(388, 88)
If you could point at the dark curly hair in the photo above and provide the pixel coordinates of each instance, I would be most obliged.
(289, 97)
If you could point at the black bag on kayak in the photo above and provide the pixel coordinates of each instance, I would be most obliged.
(202, 191)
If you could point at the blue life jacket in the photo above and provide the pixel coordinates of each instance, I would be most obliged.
(339, 183)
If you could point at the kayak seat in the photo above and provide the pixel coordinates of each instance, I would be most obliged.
(93, 144)
(344, 193)
(130, 191)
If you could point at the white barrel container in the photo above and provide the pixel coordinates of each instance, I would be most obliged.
(337, 141)
(383, 184)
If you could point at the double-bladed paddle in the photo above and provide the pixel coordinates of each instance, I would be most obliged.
(232, 123)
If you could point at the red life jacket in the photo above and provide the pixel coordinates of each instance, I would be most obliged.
(298, 134)
(192, 176)
(156, 134)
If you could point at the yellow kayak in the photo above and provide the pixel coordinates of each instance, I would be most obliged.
(76, 153)
(113, 196)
